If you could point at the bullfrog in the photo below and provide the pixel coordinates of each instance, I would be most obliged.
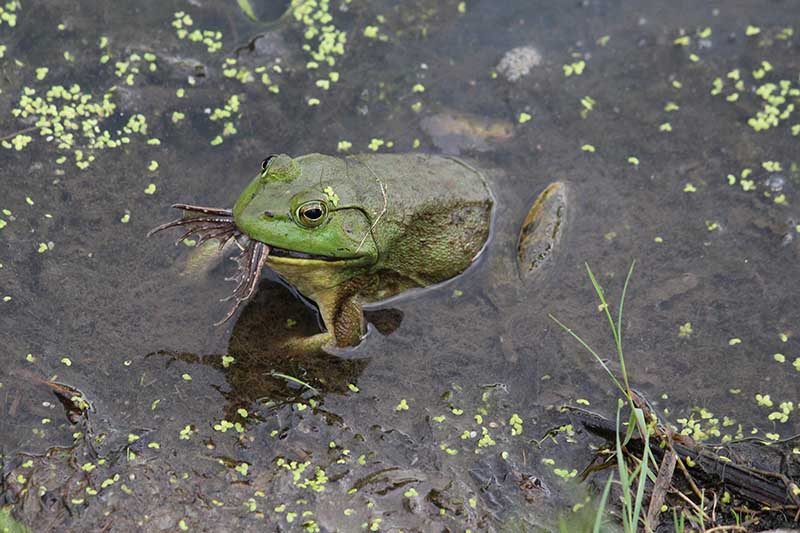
(355, 230)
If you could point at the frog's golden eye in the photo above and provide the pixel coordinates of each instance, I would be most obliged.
(312, 214)
(265, 162)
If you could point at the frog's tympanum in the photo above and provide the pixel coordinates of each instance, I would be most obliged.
(355, 230)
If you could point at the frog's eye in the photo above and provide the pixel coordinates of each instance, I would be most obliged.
(265, 162)
(312, 214)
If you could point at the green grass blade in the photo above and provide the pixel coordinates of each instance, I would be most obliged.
(630, 428)
(620, 354)
(600, 294)
(679, 525)
(644, 465)
(591, 351)
(622, 302)
(247, 9)
(601, 509)
(624, 479)
(293, 380)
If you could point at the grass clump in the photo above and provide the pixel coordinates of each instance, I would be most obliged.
(634, 480)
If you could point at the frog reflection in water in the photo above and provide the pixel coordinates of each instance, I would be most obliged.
(357, 230)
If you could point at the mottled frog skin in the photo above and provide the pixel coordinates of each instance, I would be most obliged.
(360, 229)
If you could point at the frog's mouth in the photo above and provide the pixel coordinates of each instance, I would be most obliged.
(297, 257)
(211, 223)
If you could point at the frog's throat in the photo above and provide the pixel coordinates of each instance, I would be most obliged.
(315, 278)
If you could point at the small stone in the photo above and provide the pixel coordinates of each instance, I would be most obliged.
(518, 62)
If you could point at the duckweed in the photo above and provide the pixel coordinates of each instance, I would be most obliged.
(764, 400)
(565, 474)
(371, 32)
(182, 22)
(8, 13)
(587, 103)
(576, 68)
(186, 433)
(326, 41)
(751, 30)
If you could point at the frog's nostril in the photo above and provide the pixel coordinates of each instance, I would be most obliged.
(268, 214)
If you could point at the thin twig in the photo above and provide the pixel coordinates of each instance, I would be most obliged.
(726, 528)
(686, 473)
(383, 211)
(20, 132)
(692, 504)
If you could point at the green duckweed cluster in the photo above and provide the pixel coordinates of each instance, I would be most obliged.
(73, 120)
(776, 98)
(182, 22)
(8, 14)
(129, 69)
(315, 483)
(230, 110)
(325, 41)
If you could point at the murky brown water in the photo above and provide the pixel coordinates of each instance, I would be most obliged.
(132, 316)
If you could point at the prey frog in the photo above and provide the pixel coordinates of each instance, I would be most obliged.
(356, 230)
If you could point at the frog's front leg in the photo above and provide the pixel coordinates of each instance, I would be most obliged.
(344, 321)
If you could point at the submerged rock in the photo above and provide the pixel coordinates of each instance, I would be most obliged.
(453, 132)
(518, 62)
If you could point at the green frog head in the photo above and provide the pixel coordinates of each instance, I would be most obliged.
(310, 215)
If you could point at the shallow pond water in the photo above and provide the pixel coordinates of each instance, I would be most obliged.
(123, 407)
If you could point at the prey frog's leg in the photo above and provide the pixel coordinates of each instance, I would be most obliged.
(542, 230)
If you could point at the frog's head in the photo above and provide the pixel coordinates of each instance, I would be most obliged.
(306, 210)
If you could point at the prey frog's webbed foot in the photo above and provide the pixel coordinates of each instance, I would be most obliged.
(542, 230)
(206, 223)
